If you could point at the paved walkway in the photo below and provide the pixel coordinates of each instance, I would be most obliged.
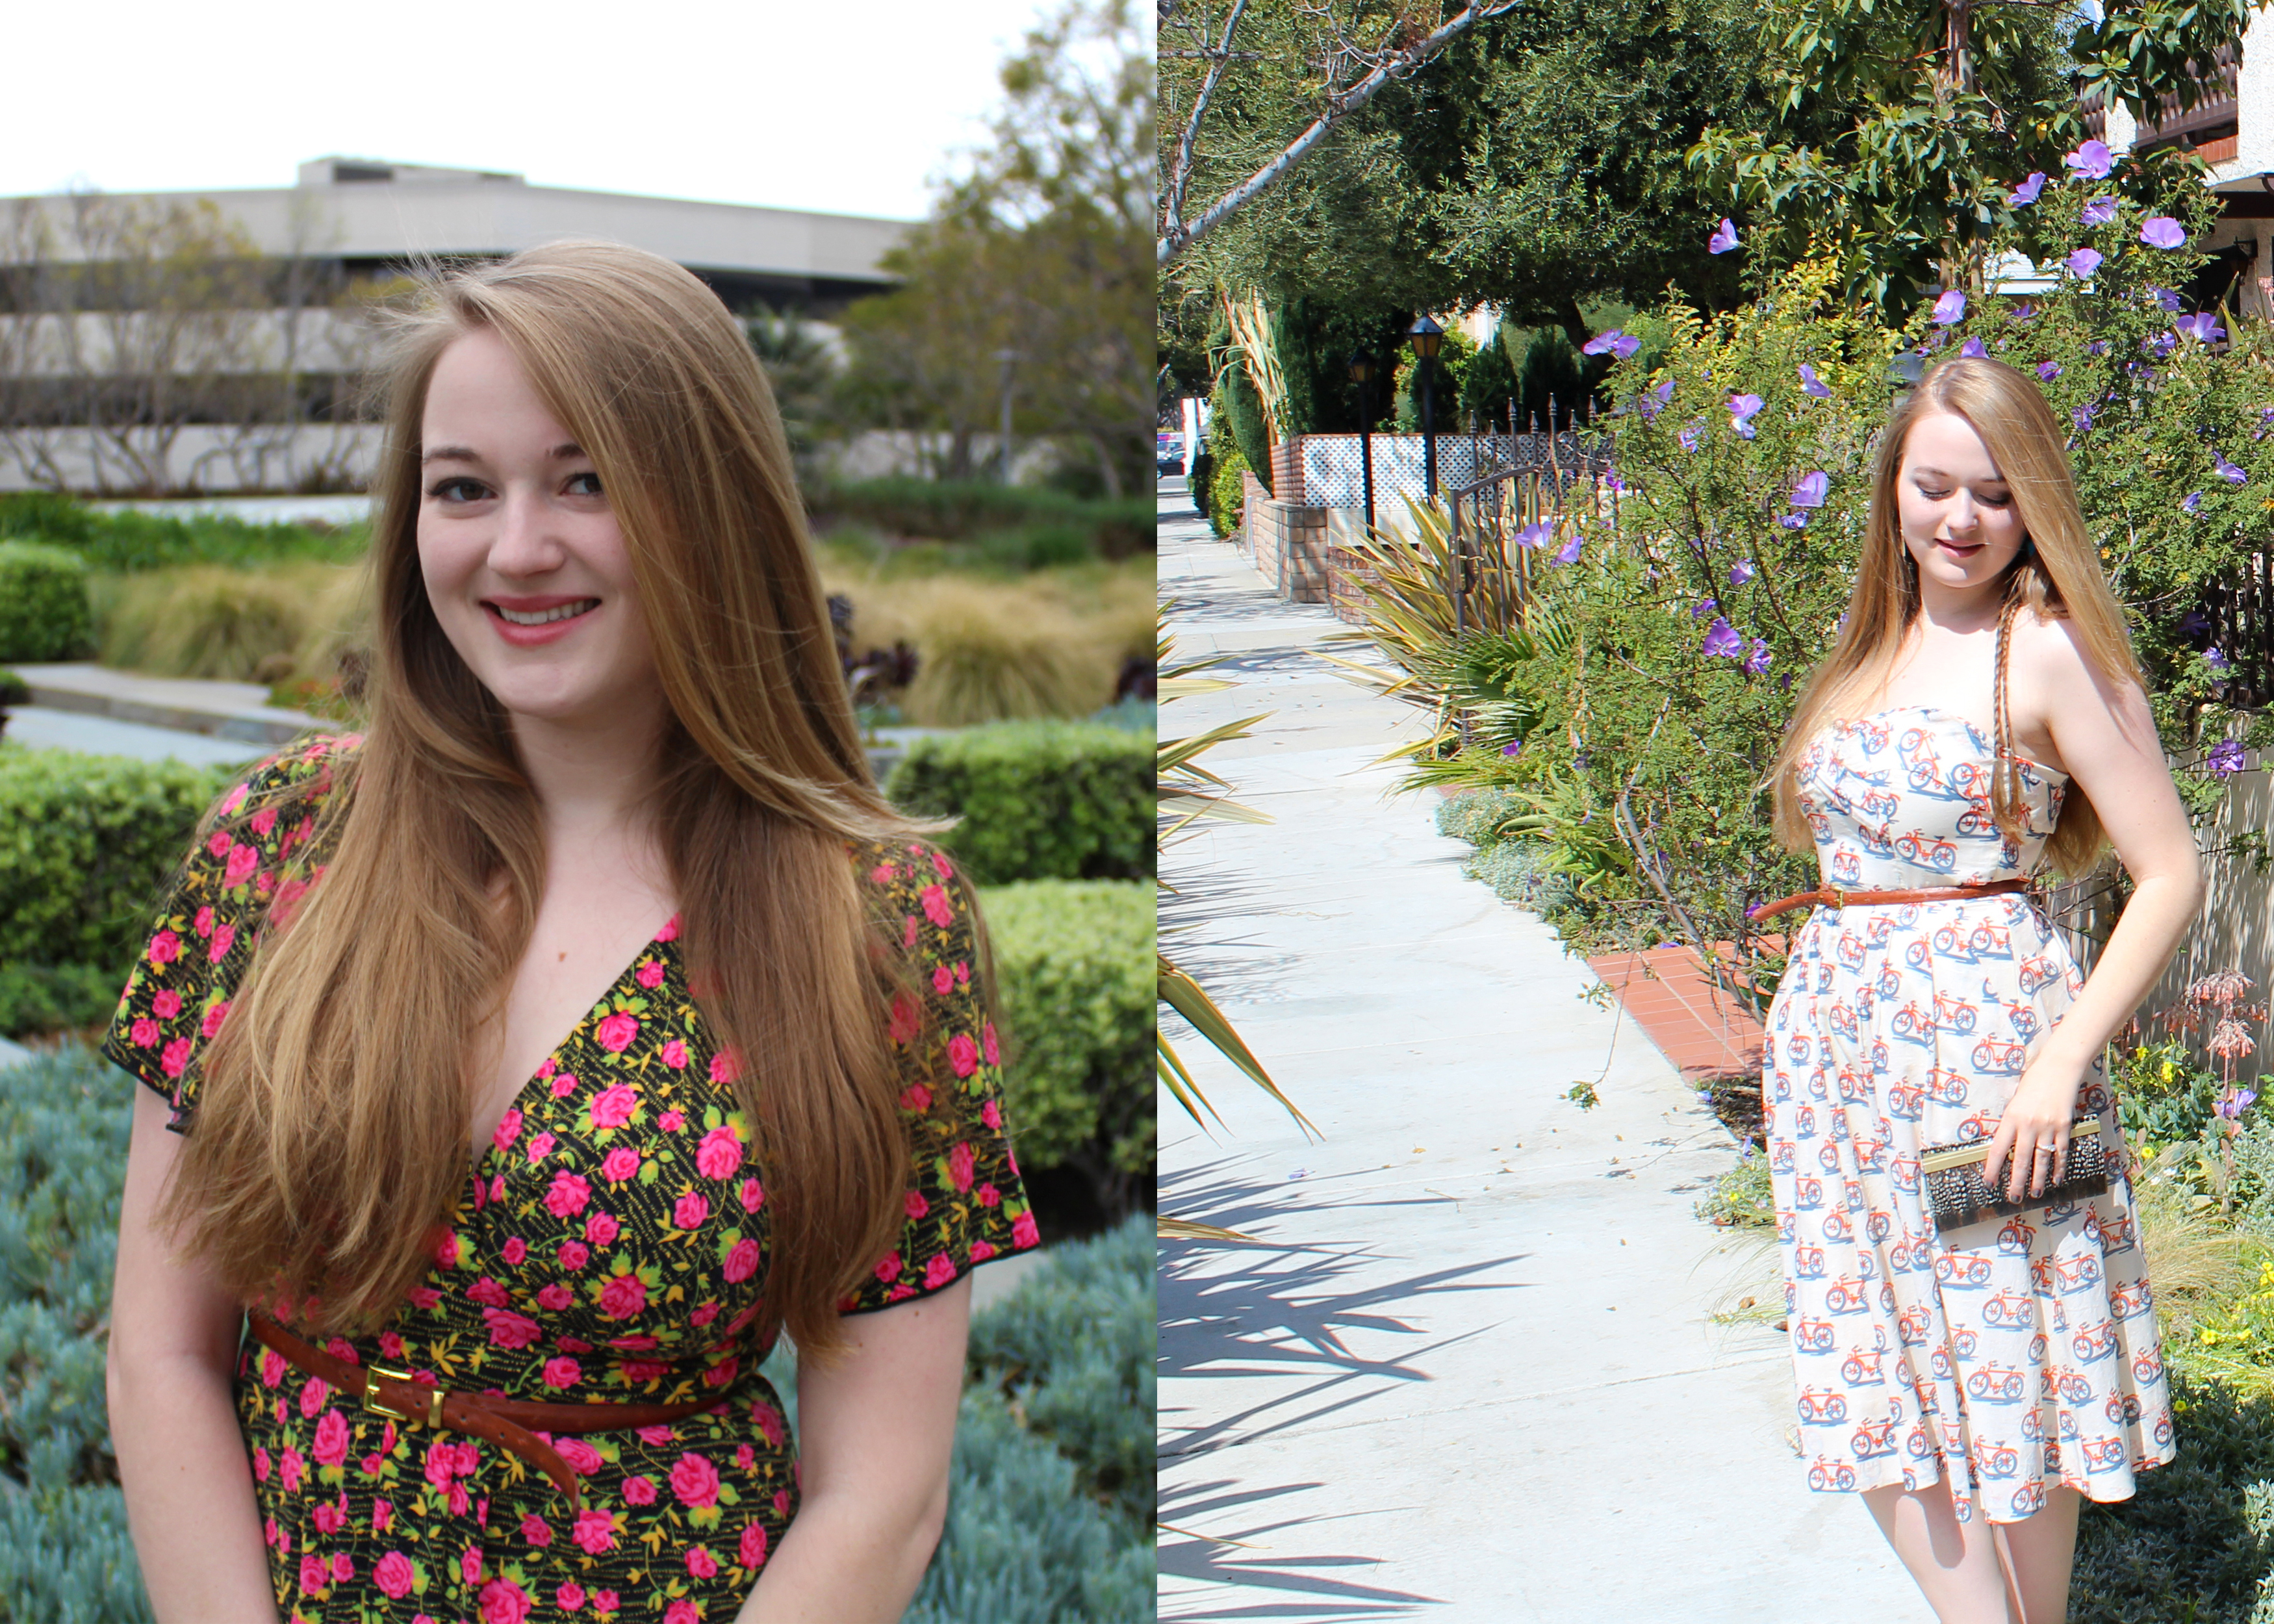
(1468, 1374)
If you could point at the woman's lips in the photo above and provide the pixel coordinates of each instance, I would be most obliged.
(1958, 549)
(557, 626)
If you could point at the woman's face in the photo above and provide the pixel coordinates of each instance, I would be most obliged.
(1960, 521)
(523, 563)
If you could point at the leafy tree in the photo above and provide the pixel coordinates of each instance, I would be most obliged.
(1901, 128)
(1038, 250)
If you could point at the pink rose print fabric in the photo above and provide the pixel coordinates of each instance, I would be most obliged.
(2011, 1357)
(611, 1244)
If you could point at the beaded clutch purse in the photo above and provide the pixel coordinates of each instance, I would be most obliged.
(1956, 1194)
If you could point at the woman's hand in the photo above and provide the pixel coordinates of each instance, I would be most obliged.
(2033, 1134)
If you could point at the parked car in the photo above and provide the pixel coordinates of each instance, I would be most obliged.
(1169, 454)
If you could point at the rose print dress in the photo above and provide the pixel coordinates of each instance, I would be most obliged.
(2012, 1356)
(611, 1244)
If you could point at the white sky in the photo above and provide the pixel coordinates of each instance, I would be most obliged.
(849, 106)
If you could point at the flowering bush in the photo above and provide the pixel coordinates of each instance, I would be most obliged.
(1711, 580)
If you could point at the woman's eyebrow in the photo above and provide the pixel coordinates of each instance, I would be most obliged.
(564, 452)
(1940, 474)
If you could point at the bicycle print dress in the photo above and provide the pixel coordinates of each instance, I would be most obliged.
(2013, 1357)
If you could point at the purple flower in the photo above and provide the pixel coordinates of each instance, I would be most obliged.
(2089, 161)
(1724, 237)
(1812, 490)
(2082, 416)
(2026, 193)
(2226, 758)
(1810, 384)
(1611, 343)
(1973, 348)
(2163, 231)
(1950, 308)
(1741, 572)
(2047, 371)
(2228, 470)
(2217, 661)
(1794, 521)
(1721, 640)
(2234, 1102)
(2098, 346)
(2099, 212)
(1699, 611)
(2194, 623)
(1742, 407)
(2082, 263)
(2165, 298)
(1689, 437)
(2193, 503)
(1611, 480)
(1512, 749)
(1569, 553)
(1758, 661)
(1535, 535)
(1653, 401)
(2203, 327)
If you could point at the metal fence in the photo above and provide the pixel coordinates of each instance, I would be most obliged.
(1334, 477)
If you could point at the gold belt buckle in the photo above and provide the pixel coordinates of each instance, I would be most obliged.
(1839, 896)
(372, 1403)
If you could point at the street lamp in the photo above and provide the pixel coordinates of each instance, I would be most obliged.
(1361, 371)
(1426, 335)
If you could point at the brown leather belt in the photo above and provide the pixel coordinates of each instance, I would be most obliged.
(1834, 897)
(512, 1422)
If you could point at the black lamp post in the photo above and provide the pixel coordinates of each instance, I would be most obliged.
(1426, 335)
(1361, 371)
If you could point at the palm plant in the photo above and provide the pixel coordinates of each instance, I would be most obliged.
(1189, 792)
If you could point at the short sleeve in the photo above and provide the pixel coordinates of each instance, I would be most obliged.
(204, 932)
(966, 1203)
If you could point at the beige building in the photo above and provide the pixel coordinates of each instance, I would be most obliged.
(209, 342)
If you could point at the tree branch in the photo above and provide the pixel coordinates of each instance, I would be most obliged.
(1180, 172)
(1176, 236)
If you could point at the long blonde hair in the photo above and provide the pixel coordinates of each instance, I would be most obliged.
(331, 1131)
(2057, 576)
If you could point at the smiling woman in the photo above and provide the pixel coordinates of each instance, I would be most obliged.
(508, 1290)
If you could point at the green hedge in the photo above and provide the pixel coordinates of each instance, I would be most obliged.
(86, 843)
(37, 998)
(43, 609)
(127, 542)
(1052, 1492)
(1074, 959)
(975, 510)
(1039, 801)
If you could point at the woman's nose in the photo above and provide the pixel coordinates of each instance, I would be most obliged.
(524, 543)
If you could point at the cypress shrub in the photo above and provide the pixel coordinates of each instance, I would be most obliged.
(44, 613)
(1039, 801)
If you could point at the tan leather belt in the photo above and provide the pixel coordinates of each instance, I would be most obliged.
(1834, 897)
(513, 1423)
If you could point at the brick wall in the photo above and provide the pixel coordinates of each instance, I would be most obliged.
(1286, 542)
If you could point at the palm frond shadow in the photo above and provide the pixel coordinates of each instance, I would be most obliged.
(1284, 1312)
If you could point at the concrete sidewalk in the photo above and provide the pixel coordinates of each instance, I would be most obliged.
(1467, 1373)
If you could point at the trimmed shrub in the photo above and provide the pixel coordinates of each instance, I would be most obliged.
(36, 997)
(43, 607)
(129, 542)
(1073, 959)
(1039, 801)
(85, 843)
(976, 510)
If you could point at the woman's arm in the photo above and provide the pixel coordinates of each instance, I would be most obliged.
(875, 1434)
(2107, 738)
(173, 1423)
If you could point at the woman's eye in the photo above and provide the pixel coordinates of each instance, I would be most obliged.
(586, 484)
(458, 489)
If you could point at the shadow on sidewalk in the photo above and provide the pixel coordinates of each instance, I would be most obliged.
(1281, 1310)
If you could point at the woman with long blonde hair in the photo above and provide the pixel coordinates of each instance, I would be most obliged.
(1972, 1329)
(426, 1311)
